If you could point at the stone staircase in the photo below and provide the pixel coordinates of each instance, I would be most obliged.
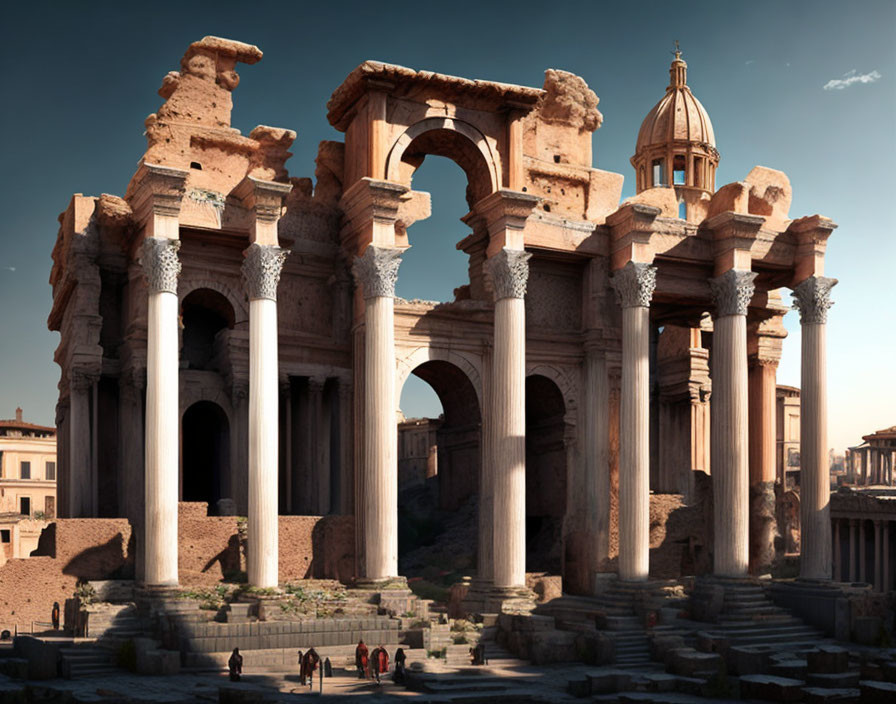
(742, 615)
(86, 660)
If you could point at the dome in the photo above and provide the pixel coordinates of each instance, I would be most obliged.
(678, 116)
(676, 145)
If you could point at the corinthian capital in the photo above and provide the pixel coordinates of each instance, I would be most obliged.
(732, 291)
(812, 298)
(376, 271)
(635, 284)
(160, 264)
(509, 270)
(261, 270)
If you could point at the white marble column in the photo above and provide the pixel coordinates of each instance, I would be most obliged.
(853, 552)
(509, 270)
(812, 299)
(261, 270)
(377, 271)
(731, 293)
(485, 518)
(634, 285)
(161, 267)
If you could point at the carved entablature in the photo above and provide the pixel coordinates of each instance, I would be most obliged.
(509, 271)
(160, 264)
(732, 292)
(156, 190)
(82, 379)
(265, 198)
(812, 298)
(376, 271)
(635, 284)
(261, 271)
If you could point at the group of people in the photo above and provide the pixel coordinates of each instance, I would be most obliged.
(370, 665)
(376, 664)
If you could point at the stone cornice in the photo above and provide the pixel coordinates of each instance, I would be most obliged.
(158, 190)
(505, 210)
(631, 228)
(732, 230)
(265, 198)
(634, 284)
(812, 229)
(812, 298)
(368, 205)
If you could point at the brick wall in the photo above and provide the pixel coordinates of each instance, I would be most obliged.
(101, 548)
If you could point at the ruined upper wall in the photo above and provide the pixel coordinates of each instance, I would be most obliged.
(192, 131)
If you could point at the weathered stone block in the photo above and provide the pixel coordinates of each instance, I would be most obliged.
(747, 660)
(828, 658)
(610, 682)
(660, 646)
(552, 646)
(596, 648)
(877, 692)
(771, 688)
(688, 662)
(836, 680)
(827, 695)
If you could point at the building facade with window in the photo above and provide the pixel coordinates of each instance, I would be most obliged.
(27, 468)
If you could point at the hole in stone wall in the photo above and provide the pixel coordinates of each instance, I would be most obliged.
(196, 165)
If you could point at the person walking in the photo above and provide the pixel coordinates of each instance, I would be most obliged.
(235, 665)
(362, 660)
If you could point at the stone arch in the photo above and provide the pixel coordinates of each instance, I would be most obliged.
(565, 383)
(419, 355)
(455, 139)
(237, 299)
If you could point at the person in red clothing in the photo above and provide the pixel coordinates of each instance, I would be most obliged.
(362, 659)
(380, 662)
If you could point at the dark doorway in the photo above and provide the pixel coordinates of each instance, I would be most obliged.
(206, 454)
(545, 475)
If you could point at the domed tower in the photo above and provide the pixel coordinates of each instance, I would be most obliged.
(676, 146)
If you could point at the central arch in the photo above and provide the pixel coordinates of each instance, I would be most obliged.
(455, 139)
(438, 475)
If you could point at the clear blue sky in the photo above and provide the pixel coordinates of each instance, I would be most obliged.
(81, 77)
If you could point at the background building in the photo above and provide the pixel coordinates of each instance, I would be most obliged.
(27, 484)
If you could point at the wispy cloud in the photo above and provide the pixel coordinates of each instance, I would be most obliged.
(851, 78)
(8, 268)
(750, 61)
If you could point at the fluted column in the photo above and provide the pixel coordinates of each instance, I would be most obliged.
(377, 271)
(509, 270)
(853, 551)
(812, 299)
(261, 270)
(634, 285)
(161, 267)
(731, 293)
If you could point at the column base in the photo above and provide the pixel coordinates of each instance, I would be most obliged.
(475, 598)
(509, 600)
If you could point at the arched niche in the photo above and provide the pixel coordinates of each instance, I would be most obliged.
(205, 314)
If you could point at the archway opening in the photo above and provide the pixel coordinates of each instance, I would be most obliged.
(205, 466)
(545, 475)
(439, 454)
(433, 269)
(206, 315)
